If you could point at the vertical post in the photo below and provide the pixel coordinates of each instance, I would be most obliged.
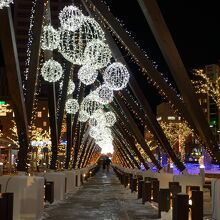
(197, 205)
(146, 192)
(181, 207)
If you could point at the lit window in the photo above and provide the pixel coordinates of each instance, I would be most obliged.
(39, 114)
(44, 108)
(159, 119)
(171, 118)
(44, 123)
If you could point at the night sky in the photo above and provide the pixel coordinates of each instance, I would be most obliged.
(194, 26)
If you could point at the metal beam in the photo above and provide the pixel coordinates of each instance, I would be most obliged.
(69, 119)
(87, 151)
(150, 119)
(116, 144)
(63, 99)
(135, 129)
(121, 143)
(8, 44)
(132, 145)
(167, 46)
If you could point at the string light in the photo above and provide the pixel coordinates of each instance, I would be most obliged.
(71, 87)
(51, 71)
(70, 18)
(176, 133)
(73, 43)
(105, 94)
(87, 74)
(116, 76)
(50, 38)
(207, 85)
(30, 40)
(72, 106)
(5, 3)
(97, 53)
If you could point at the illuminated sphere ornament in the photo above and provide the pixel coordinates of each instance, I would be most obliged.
(51, 71)
(72, 106)
(71, 87)
(73, 43)
(110, 119)
(50, 38)
(105, 94)
(97, 53)
(5, 3)
(116, 76)
(83, 116)
(90, 105)
(97, 118)
(87, 74)
(70, 18)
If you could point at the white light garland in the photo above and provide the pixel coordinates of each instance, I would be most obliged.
(97, 53)
(105, 94)
(5, 3)
(73, 43)
(71, 87)
(110, 119)
(87, 74)
(116, 76)
(51, 71)
(72, 106)
(50, 38)
(70, 18)
(83, 116)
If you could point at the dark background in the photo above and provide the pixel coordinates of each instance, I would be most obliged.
(194, 26)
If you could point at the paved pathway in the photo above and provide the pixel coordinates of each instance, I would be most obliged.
(101, 198)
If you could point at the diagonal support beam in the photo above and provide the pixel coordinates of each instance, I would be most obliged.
(167, 46)
(134, 128)
(131, 143)
(125, 147)
(150, 119)
(8, 44)
(116, 144)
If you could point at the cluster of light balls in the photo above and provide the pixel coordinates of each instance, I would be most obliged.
(81, 41)
(5, 3)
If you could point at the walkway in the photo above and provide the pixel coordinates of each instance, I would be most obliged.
(101, 198)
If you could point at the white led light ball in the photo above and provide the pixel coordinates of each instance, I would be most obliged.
(110, 119)
(97, 118)
(5, 3)
(83, 116)
(51, 71)
(72, 106)
(73, 43)
(116, 76)
(50, 38)
(71, 18)
(87, 74)
(97, 53)
(90, 105)
(71, 87)
(105, 94)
